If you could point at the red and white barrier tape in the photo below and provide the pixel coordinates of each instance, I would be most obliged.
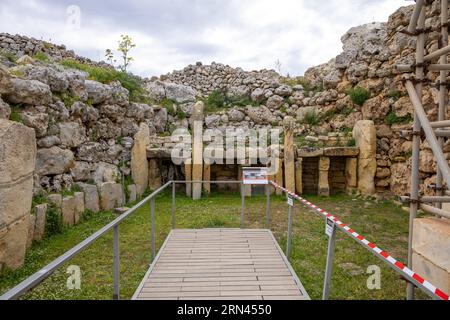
(389, 259)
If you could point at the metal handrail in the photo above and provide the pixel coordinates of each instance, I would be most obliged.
(48, 270)
(38, 277)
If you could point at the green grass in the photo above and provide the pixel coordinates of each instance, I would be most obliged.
(219, 100)
(40, 56)
(359, 95)
(131, 82)
(381, 222)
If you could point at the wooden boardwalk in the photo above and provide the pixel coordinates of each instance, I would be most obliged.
(221, 264)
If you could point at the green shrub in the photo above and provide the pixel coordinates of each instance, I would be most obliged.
(392, 118)
(68, 99)
(15, 113)
(395, 94)
(54, 224)
(311, 118)
(39, 198)
(351, 142)
(11, 57)
(359, 95)
(40, 56)
(130, 82)
(216, 100)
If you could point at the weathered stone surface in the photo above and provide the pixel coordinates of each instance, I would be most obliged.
(55, 199)
(432, 240)
(81, 171)
(400, 185)
(31, 92)
(139, 163)
(351, 172)
(341, 152)
(105, 172)
(13, 243)
(30, 236)
(299, 176)
(365, 135)
(154, 175)
(180, 93)
(431, 272)
(68, 211)
(40, 222)
(72, 134)
(17, 162)
(54, 161)
(197, 150)
(111, 196)
(324, 186)
(132, 193)
(5, 110)
(289, 153)
(79, 206)
(91, 198)
(309, 152)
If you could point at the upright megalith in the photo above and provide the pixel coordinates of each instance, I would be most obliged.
(139, 163)
(197, 150)
(289, 153)
(17, 164)
(365, 136)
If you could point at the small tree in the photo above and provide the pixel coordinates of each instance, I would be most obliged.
(109, 55)
(125, 46)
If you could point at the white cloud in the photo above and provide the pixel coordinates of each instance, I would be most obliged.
(251, 34)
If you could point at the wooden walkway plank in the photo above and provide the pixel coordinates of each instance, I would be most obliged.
(220, 264)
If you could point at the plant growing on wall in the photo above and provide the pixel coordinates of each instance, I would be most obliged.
(125, 46)
(359, 95)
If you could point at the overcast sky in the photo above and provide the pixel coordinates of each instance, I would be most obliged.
(170, 34)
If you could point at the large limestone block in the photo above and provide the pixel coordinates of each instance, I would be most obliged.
(17, 163)
(31, 226)
(13, 243)
(197, 149)
(299, 176)
(68, 211)
(111, 196)
(79, 206)
(324, 185)
(54, 161)
(289, 154)
(55, 199)
(132, 194)
(432, 240)
(139, 163)
(91, 198)
(351, 173)
(40, 220)
(17, 151)
(154, 175)
(365, 135)
(434, 274)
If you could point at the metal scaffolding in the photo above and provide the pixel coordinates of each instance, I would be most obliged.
(436, 132)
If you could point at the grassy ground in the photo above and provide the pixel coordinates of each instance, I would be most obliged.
(384, 223)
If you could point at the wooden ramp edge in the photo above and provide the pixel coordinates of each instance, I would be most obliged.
(221, 264)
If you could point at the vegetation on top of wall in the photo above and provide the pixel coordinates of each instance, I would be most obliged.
(359, 95)
(11, 57)
(307, 86)
(40, 56)
(395, 94)
(220, 99)
(392, 118)
(132, 83)
(311, 118)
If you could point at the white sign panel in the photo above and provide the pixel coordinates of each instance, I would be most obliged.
(329, 227)
(290, 200)
(255, 176)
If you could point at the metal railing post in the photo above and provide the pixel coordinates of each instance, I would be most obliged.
(268, 206)
(116, 263)
(243, 206)
(329, 267)
(152, 210)
(289, 238)
(173, 203)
